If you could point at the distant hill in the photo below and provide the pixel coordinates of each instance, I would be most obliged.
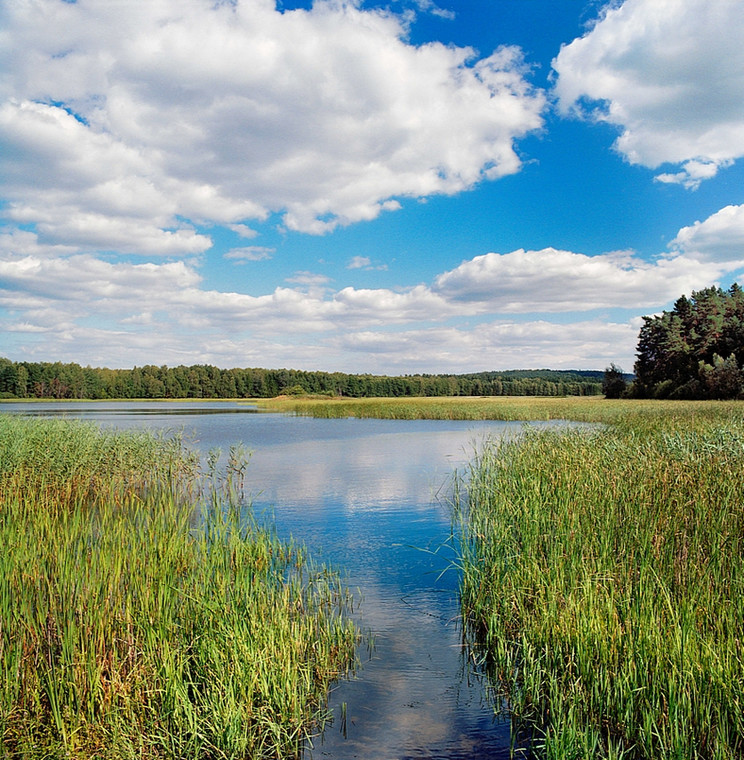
(555, 375)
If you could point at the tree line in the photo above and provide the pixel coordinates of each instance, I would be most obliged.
(57, 380)
(693, 351)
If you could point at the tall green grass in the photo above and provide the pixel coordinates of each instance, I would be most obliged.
(603, 573)
(142, 616)
(526, 408)
(450, 408)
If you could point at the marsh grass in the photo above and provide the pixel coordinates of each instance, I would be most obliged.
(436, 407)
(510, 408)
(603, 573)
(142, 616)
(67, 461)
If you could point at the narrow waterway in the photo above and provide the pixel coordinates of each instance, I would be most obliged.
(369, 497)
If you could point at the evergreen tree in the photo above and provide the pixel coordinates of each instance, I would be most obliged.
(694, 351)
(614, 384)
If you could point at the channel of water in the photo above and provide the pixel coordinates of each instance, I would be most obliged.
(370, 498)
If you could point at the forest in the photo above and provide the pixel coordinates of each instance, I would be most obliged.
(71, 381)
(694, 351)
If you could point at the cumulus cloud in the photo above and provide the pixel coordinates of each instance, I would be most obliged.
(162, 313)
(139, 115)
(86, 189)
(551, 280)
(497, 344)
(670, 76)
(86, 282)
(513, 283)
(17, 243)
(693, 173)
(719, 238)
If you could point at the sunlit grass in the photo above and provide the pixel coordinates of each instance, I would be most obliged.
(584, 409)
(141, 616)
(603, 573)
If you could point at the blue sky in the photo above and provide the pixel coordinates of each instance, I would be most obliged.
(412, 186)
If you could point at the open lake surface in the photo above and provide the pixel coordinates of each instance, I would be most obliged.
(370, 498)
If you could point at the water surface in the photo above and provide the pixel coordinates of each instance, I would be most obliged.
(371, 498)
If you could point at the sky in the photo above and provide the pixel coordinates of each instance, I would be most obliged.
(370, 187)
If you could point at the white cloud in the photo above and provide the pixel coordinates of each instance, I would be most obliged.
(383, 306)
(311, 279)
(250, 253)
(551, 280)
(242, 230)
(359, 262)
(150, 112)
(589, 344)
(693, 173)
(87, 283)
(68, 307)
(670, 75)
(434, 9)
(16, 243)
(86, 189)
(719, 238)
(364, 262)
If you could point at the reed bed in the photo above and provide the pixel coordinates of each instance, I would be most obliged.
(141, 615)
(509, 408)
(436, 407)
(603, 579)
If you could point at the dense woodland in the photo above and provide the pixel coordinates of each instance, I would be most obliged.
(694, 351)
(71, 381)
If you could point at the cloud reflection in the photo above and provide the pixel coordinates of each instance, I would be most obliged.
(369, 504)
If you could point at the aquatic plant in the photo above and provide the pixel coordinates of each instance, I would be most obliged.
(143, 614)
(603, 581)
(525, 408)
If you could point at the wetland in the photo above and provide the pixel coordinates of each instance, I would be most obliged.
(598, 573)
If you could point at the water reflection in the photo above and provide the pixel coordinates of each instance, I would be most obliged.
(378, 471)
(375, 505)
(368, 496)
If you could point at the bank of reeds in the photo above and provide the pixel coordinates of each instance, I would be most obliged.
(142, 616)
(603, 573)
(525, 408)
(436, 407)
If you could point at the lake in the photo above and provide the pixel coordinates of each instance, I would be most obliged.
(369, 497)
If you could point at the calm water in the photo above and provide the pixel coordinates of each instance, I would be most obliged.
(369, 497)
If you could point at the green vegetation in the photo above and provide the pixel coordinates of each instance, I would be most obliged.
(614, 384)
(445, 408)
(525, 408)
(141, 616)
(602, 580)
(603, 571)
(603, 575)
(694, 351)
(71, 381)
